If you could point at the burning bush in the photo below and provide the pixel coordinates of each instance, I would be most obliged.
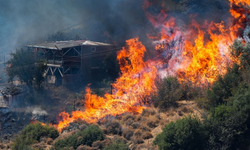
(32, 133)
(85, 137)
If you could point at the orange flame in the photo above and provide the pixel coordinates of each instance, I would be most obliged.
(195, 52)
(130, 90)
(202, 52)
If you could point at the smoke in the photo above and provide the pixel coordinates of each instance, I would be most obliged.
(28, 22)
(36, 111)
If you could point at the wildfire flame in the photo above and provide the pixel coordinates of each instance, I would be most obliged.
(195, 52)
(130, 91)
(200, 51)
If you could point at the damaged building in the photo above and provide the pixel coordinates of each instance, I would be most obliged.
(72, 62)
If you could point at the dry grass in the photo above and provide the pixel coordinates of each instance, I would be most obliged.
(148, 112)
(101, 144)
(152, 122)
(147, 135)
(127, 117)
(138, 133)
(138, 140)
(127, 134)
(145, 128)
(113, 127)
(135, 125)
(129, 122)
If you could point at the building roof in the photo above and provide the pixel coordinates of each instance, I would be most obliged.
(59, 45)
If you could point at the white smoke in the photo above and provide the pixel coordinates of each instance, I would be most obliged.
(36, 111)
(246, 34)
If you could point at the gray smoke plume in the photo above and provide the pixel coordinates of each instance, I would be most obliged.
(31, 21)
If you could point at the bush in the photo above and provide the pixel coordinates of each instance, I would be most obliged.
(86, 137)
(113, 127)
(117, 145)
(169, 91)
(127, 134)
(241, 51)
(147, 135)
(225, 127)
(138, 133)
(32, 133)
(223, 88)
(183, 134)
(148, 112)
(127, 117)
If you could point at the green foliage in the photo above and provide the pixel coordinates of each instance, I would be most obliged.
(85, 137)
(169, 91)
(32, 133)
(182, 134)
(24, 66)
(223, 88)
(241, 51)
(117, 145)
(227, 127)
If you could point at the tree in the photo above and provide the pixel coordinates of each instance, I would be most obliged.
(223, 88)
(241, 51)
(24, 66)
(169, 91)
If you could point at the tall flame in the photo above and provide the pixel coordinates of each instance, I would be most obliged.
(200, 51)
(194, 52)
(130, 91)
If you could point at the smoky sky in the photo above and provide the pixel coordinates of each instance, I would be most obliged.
(31, 21)
(25, 22)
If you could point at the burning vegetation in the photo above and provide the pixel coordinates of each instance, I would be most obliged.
(191, 70)
(194, 52)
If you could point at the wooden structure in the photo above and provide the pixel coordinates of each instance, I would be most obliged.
(71, 62)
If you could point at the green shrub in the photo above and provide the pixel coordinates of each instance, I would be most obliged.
(241, 51)
(117, 145)
(223, 88)
(226, 127)
(169, 91)
(86, 137)
(182, 134)
(32, 133)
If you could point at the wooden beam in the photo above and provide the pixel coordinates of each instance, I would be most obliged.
(77, 52)
(66, 70)
(51, 70)
(66, 51)
(60, 72)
